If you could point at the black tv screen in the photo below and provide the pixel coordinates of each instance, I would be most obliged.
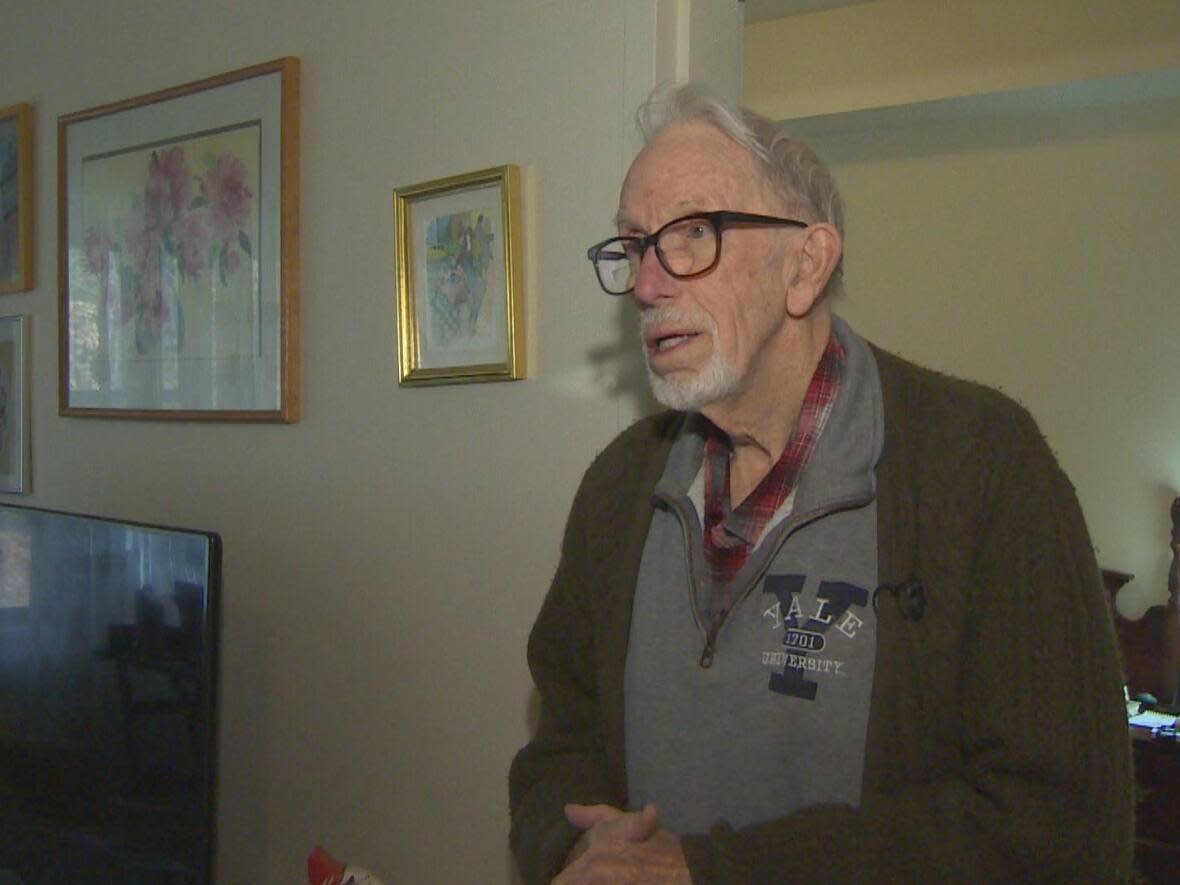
(108, 700)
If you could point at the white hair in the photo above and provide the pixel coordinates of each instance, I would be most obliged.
(792, 170)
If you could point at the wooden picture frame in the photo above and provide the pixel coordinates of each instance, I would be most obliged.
(460, 296)
(16, 198)
(179, 251)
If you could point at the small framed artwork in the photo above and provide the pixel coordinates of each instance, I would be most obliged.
(179, 252)
(14, 405)
(460, 301)
(16, 198)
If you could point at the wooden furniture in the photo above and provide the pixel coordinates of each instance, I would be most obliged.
(1151, 644)
(1157, 824)
(1151, 664)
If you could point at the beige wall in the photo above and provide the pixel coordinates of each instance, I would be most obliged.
(384, 557)
(890, 52)
(1033, 251)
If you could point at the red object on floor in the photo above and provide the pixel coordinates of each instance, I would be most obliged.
(323, 869)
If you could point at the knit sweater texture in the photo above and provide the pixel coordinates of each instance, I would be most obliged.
(997, 746)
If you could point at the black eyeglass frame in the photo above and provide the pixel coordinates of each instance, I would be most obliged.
(719, 220)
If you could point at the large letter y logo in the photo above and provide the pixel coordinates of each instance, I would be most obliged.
(805, 635)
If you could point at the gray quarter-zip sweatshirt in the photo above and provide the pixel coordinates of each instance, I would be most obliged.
(765, 712)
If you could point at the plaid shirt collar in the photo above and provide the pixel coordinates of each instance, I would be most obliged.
(731, 533)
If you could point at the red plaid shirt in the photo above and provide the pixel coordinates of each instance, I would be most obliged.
(730, 534)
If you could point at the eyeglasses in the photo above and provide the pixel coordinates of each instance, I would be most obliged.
(686, 247)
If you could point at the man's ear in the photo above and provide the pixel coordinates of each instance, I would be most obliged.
(814, 261)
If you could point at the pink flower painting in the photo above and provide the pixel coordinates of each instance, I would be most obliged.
(191, 242)
(168, 190)
(229, 197)
(184, 222)
(99, 246)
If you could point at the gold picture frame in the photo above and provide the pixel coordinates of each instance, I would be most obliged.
(16, 198)
(178, 252)
(460, 296)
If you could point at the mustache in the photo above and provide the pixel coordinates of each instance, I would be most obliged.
(674, 316)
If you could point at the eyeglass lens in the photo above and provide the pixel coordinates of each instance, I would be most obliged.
(685, 247)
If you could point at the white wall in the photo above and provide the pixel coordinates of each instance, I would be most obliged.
(384, 557)
(1035, 252)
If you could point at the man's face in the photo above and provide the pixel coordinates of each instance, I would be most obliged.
(706, 338)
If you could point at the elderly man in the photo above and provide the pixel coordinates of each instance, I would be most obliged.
(831, 618)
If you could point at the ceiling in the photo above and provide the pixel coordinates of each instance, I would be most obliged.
(764, 10)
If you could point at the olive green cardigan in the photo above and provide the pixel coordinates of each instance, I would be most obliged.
(997, 746)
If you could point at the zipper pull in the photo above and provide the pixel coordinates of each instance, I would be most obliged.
(706, 660)
(707, 654)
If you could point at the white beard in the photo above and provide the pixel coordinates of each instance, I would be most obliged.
(717, 380)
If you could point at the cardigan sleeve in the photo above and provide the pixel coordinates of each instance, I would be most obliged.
(577, 651)
(564, 761)
(998, 745)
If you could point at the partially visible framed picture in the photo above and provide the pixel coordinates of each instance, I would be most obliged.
(14, 405)
(179, 251)
(460, 299)
(16, 198)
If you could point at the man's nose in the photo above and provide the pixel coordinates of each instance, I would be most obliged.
(652, 281)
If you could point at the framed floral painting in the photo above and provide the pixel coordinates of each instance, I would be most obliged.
(459, 293)
(178, 251)
(14, 405)
(16, 198)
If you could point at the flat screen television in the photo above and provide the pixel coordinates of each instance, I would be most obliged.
(108, 700)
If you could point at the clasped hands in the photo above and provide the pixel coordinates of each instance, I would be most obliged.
(622, 847)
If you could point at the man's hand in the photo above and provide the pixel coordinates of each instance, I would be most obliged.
(621, 847)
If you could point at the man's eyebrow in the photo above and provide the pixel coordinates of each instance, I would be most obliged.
(685, 208)
(622, 222)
